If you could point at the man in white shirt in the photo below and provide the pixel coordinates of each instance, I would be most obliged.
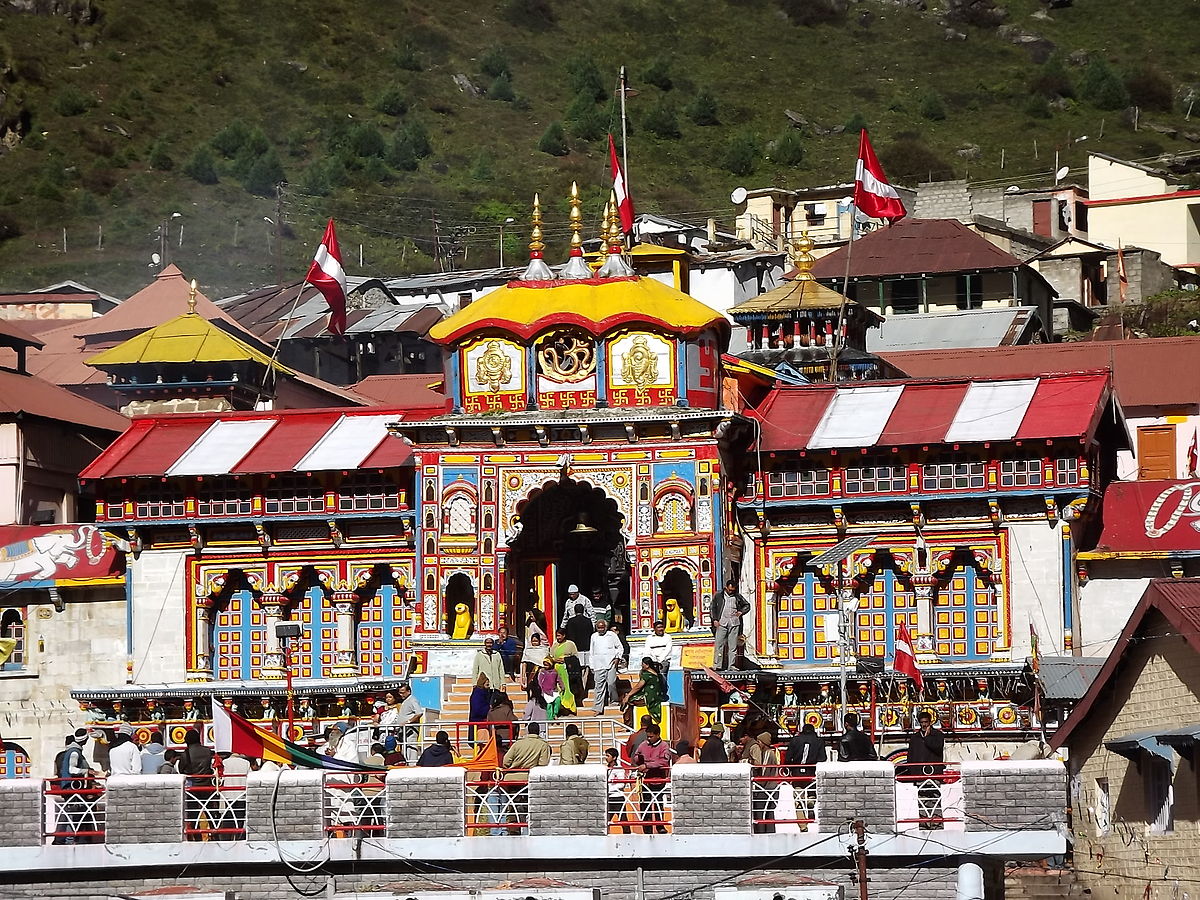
(574, 598)
(411, 712)
(606, 654)
(659, 647)
(125, 757)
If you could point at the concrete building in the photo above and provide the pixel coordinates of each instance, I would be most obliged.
(1132, 744)
(1131, 204)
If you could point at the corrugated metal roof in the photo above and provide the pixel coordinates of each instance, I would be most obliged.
(1068, 677)
(951, 330)
(907, 413)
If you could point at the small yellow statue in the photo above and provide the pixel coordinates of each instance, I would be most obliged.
(462, 622)
(493, 368)
(640, 364)
(673, 616)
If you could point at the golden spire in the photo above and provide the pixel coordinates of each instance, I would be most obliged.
(614, 224)
(535, 236)
(615, 266)
(576, 221)
(192, 299)
(605, 224)
(802, 257)
(537, 270)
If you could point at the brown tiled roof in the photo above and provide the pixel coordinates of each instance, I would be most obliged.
(403, 391)
(32, 396)
(914, 247)
(1147, 372)
(1178, 601)
(14, 332)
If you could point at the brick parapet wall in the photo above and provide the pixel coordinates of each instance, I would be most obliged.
(426, 802)
(860, 790)
(144, 809)
(294, 813)
(568, 800)
(711, 798)
(22, 802)
(1014, 796)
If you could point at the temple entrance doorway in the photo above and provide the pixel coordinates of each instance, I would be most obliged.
(570, 535)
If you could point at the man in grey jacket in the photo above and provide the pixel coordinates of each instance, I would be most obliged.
(727, 609)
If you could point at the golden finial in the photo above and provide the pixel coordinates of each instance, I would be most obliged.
(614, 222)
(192, 299)
(604, 224)
(802, 257)
(576, 220)
(535, 236)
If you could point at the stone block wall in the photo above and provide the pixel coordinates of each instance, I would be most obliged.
(861, 790)
(711, 798)
(1014, 796)
(426, 802)
(296, 813)
(568, 800)
(22, 801)
(144, 809)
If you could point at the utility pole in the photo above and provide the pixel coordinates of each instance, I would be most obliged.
(437, 242)
(279, 234)
(860, 857)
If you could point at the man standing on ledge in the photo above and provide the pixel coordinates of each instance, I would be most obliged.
(926, 753)
(855, 745)
(727, 610)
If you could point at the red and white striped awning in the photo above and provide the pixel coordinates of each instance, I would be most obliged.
(893, 414)
(249, 443)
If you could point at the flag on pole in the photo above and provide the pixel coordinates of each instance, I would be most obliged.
(1035, 656)
(624, 201)
(328, 277)
(1122, 275)
(487, 757)
(1194, 455)
(904, 661)
(874, 196)
(233, 734)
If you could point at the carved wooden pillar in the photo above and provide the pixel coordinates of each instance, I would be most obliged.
(923, 586)
(202, 658)
(272, 604)
(345, 658)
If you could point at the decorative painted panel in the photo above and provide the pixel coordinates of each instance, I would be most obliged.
(493, 376)
(641, 370)
(383, 634)
(566, 370)
(239, 638)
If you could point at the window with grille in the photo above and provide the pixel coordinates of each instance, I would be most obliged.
(1020, 473)
(876, 478)
(222, 499)
(114, 510)
(805, 483)
(12, 628)
(292, 494)
(674, 514)
(163, 502)
(1066, 470)
(368, 494)
(953, 474)
(458, 514)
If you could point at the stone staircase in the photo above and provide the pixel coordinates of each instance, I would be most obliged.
(1042, 884)
(608, 730)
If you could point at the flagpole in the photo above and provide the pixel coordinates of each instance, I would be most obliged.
(837, 335)
(279, 342)
(624, 86)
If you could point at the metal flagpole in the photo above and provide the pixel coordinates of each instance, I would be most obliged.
(279, 341)
(837, 335)
(624, 132)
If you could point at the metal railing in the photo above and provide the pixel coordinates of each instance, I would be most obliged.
(783, 795)
(74, 810)
(929, 796)
(354, 804)
(647, 805)
(497, 801)
(214, 808)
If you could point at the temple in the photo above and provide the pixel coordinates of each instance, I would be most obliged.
(594, 431)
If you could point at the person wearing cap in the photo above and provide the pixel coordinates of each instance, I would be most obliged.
(714, 749)
(124, 756)
(574, 598)
(764, 760)
(72, 771)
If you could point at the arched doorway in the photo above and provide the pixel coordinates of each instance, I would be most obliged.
(677, 586)
(460, 606)
(570, 533)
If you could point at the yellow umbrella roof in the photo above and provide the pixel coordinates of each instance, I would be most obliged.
(596, 305)
(184, 339)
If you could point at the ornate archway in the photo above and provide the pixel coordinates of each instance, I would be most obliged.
(566, 532)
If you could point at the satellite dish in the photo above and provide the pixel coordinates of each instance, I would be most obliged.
(738, 197)
(155, 258)
(1061, 173)
(1012, 189)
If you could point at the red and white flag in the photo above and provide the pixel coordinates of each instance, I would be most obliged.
(327, 276)
(1194, 455)
(904, 661)
(874, 196)
(624, 201)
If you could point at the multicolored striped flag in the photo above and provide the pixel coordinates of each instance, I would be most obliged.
(233, 734)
